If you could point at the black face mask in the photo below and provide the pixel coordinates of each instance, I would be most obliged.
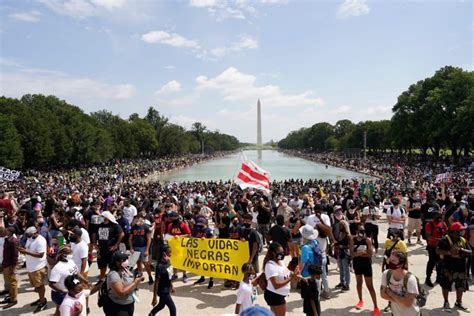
(247, 225)
(176, 221)
(280, 256)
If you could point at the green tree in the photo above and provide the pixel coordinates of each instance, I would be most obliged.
(11, 153)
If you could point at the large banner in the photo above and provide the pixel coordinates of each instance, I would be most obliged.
(8, 174)
(219, 258)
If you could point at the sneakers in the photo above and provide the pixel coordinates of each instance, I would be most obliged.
(6, 300)
(326, 295)
(360, 305)
(41, 306)
(13, 303)
(429, 283)
(174, 277)
(211, 284)
(339, 286)
(150, 280)
(4, 292)
(185, 279)
(201, 280)
(459, 306)
(446, 307)
(387, 308)
(345, 288)
(376, 312)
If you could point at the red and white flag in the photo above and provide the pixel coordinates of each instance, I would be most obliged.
(252, 176)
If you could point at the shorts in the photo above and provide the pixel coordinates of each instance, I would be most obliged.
(57, 297)
(362, 268)
(273, 299)
(38, 277)
(449, 277)
(142, 257)
(414, 224)
(103, 260)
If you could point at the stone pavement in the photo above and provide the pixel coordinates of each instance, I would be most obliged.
(198, 300)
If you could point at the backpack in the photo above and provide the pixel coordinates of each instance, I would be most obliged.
(103, 294)
(402, 210)
(422, 294)
(317, 253)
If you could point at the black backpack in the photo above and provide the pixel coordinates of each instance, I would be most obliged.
(103, 296)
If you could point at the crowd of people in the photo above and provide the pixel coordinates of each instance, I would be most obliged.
(62, 222)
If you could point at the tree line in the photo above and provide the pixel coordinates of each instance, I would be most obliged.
(40, 131)
(432, 114)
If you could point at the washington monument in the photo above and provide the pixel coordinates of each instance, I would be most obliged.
(259, 124)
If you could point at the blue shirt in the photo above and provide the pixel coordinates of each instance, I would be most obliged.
(307, 257)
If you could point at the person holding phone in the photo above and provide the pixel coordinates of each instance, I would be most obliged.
(121, 286)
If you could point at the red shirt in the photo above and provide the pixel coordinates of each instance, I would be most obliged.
(7, 204)
(178, 230)
(437, 230)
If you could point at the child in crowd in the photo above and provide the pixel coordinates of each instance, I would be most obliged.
(246, 295)
(310, 289)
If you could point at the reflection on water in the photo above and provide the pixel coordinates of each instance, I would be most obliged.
(279, 165)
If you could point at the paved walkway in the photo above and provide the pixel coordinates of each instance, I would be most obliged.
(198, 300)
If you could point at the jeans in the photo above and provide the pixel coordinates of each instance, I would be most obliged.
(344, 272)
(165, 299)
(263, 229)
(324, 275)
(433, 259)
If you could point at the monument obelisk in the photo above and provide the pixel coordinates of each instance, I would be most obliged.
(259, 129)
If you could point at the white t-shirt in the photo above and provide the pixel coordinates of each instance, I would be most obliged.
(85, 236)
(61, 271)
(37, 245)
(282, 273)
(244, 295)
(369, 212)
(397, 287)
(396, 213)
(68, 303)
(129, 213)
(2, 242)
(313, 220)
(79, 252)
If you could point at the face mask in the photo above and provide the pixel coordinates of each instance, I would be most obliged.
(124, 264)
(166, 257)
(284, 204)
(460, 233)
(247, 225)
(462, 207)
(78, 294)
(280, 256)
(69, 257)
(393, 266)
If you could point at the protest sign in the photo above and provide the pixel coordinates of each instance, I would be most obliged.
(219, 258)
(8, 174)
(443, 178)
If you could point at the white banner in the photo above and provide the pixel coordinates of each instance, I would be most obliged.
(8, 174)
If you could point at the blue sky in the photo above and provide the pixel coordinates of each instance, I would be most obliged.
(210, 60)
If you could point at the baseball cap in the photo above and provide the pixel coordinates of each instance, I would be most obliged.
(77, 231)
(456, 226)
(119, 255)
(109, 216)
(31, 230)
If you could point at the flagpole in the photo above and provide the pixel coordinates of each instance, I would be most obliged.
(239, 161)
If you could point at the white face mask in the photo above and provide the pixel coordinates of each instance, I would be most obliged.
(284, 204)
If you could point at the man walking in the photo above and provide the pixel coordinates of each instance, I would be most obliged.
(10, 260)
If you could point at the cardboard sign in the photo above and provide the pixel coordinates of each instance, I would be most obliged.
(213, 257)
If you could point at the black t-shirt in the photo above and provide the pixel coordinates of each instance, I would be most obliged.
(224, 231)
(450, 263)
(264, 215)
(251, 236)
(93, 219)
(108, 234)
(280, 234)
(139, 233)
(412, 203)
(309, 292)
(163, 270)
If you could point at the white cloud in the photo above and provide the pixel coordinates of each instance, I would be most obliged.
(81, 9)
(236, 86)
(223, 9)
(171, 39)
(202, 3)
(169, 87)
(244, 42)
(20, 80)
(352, 8)
(30, 16)
(341, 109)
(379, 110)
(187, 121)
(169, 67)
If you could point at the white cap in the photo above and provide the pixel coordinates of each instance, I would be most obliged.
(109, 216)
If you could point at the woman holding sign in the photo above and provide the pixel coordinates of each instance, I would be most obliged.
(278, 277)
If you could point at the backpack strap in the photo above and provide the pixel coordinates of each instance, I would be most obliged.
(389, 275)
